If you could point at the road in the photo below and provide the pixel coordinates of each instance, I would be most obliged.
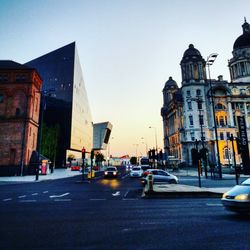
(110, 214)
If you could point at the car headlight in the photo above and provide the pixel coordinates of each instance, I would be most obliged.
(242, 197)
(224, 196)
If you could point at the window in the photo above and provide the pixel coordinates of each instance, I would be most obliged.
(18, 111)
(192, 136)
(201, 119)
(20, 78)
(228, 135)
(188, 93)
(1, 98)
(3, 78)
(222, 123)
(221, 136)
(191, 121)
(199, 105)
(189, 105)
(198, 92)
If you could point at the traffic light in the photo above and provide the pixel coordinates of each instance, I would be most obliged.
(92, 154)
(153, 153)
(161, 155)
(83, 153)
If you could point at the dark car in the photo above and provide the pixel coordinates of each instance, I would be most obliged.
(111, 172)
(237, 199)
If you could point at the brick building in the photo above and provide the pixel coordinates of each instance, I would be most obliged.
(19, 116)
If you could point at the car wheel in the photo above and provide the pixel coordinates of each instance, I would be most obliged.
(173, 182)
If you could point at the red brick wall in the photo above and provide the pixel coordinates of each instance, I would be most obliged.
(19, 116)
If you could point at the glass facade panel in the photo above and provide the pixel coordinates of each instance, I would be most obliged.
(66, 99)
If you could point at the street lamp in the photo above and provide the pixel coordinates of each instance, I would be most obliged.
(156, 147)
(201, 122)
(210, 60)
(146, 144)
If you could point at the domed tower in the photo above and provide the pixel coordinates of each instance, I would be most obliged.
(171, 113)
(239, 65)
(193, 66)
(169, 89)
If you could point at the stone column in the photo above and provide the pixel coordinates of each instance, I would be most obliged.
(230, 113)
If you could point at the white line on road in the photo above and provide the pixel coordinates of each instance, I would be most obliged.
(45, 192)
(27, 201)
(35, 194)
(97, 199)
(62, 199)
(21, 196)
(58, 196)
(117, 193)
(130, 199)
(8, 199)
(214, 204)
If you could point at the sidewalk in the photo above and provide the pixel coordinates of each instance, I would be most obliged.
(58, 173)
(209, 187)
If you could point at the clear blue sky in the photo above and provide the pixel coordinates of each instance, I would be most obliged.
(127, 48)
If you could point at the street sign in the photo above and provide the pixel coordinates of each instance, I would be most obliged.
(244, 150)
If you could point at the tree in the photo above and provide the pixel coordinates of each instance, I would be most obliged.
(133, 160)
(50, 138)
(99, 158)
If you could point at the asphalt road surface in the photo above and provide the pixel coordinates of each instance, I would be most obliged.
(110, 214)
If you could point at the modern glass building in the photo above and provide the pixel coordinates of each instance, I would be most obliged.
(66, 101)
(102, 133)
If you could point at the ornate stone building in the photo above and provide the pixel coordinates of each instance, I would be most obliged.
(19, 116)
(188, 117)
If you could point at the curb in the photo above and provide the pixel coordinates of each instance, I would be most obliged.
(180, 194)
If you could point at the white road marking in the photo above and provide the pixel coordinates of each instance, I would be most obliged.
(214, 204)
(125, 195)
(21, 196)
(58, 196)
(62, 199)
(45, 192)
(130, 199)
(8, 199)
(97, 199)
(35, 194)
(27, 201)
(116, 193)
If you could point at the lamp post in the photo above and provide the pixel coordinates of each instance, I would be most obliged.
(136, 149)
(201, 122)
(146, 144)
(210, 60)
(156, 147)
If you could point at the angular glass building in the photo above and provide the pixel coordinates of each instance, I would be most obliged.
(66, 101)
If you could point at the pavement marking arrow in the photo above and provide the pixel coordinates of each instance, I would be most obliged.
(116, 193)
(57, 196)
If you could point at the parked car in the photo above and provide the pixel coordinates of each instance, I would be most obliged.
(159, 177)
(136, 172)
(237, 199)
(75, 166)
(111, 172)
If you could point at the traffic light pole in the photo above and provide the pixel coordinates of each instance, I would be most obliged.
(235, 167)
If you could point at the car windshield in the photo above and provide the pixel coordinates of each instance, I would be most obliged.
(111, 169)
(246, 182)
(136, 169)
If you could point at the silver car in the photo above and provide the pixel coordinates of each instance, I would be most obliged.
(237, 199)
(159, 177)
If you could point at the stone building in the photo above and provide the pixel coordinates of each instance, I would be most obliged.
(191, 120)
(19, 116)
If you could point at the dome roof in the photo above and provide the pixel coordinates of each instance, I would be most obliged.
(191, 54)
(170, 83)
(243, 41)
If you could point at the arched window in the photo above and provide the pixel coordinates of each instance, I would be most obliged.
(220, 106)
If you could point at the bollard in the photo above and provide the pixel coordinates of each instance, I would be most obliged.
(150, 183)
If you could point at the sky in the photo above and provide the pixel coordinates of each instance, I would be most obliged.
(128, 49)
